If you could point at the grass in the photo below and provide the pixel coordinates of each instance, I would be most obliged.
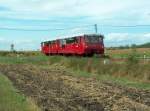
(10, 100)
(128, 73)
(124, 53)
(124, 81)
(23, 60)
(116, 80)
(114, 71)
(36, 60)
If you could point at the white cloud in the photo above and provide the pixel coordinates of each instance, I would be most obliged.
(20, 44)
(93, 8)
(107, 12)
(1, 39)
(117, 39)
(147, 35)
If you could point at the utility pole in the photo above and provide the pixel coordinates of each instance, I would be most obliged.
(12, 47)
(95, 26)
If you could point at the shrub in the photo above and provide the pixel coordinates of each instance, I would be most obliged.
(132, 58)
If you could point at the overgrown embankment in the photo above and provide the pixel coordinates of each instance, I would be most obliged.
(130, 68)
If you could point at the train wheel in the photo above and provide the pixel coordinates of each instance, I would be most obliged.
(90, 55)
(47, 54)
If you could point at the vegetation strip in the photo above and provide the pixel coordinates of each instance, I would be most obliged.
(11, 100)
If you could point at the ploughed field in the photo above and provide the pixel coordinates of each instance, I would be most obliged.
(56, 89)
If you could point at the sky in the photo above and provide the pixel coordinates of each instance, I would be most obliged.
(26, 23)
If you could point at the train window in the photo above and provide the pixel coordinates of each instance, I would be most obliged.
(78, 39)
(93, 39)
(48, 43)
(71, 40)
(42, 44)
(100, 39)
(62, 43)
(45, 43)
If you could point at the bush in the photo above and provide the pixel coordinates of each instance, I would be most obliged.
(132, 58)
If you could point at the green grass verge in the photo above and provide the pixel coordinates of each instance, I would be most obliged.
(10, 100)
(124, 81)
(21, 60)
(36, 60)
(85, 67)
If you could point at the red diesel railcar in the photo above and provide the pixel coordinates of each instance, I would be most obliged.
(83, 45)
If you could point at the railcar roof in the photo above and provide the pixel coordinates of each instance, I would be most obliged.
(72, 36)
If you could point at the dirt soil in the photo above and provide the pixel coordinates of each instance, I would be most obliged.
(54, 89)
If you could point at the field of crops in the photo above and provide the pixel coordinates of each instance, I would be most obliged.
(60, 83)
(125, 52)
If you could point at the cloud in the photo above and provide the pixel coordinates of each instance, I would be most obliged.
(83, 12)
(117, 39)
(98, 8)
(53, 14)
(20, 44)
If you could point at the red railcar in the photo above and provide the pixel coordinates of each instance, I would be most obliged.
(83, 45)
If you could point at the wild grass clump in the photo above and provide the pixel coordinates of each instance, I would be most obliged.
(130, 67)
(76, 63)
(133, 57)
(20, 53)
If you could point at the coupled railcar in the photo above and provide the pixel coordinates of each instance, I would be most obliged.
(83, 45)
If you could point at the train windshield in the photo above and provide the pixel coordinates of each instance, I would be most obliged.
(94, 39)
